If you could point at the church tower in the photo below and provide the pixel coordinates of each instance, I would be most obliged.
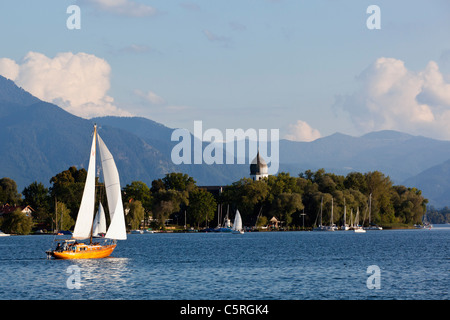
(258, 168)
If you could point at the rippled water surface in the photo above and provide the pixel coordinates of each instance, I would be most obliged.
(414, 264)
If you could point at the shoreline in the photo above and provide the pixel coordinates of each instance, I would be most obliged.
(396, 227)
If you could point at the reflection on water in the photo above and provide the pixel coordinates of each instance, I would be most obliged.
(100, 277)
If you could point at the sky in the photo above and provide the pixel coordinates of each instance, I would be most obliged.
(307, 68)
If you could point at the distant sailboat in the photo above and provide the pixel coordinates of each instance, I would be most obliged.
(345, 226)
(321, 227)
(425, 223)
(99, 229)
(237, 225)
(371, 227)
(226, 225)
(332, 225)
(84, 226)
(356, 227)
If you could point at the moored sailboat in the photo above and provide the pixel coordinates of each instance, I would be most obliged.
(321, 227)
(371, 226)
(345, 226)
(84, 226)
(357, 228)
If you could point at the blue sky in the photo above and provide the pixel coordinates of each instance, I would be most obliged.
(308, 68)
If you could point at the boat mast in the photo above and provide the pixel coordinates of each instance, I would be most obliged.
(321, 204)
(331, 222)
(345, 211)
(95, 148)
(56, 217)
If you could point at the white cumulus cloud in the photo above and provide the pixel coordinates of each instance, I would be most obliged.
(77, 83)
(150, 96)
(302, 131)
(392, 97)
(9, 68)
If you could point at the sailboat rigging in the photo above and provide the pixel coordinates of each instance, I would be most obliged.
(357, 227)
(85, 227)
(321, 227)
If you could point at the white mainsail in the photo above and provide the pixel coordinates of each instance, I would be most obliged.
(117, 229)
(83, 226)
(237, 225)
(99, 221)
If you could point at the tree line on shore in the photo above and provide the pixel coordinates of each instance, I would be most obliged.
(294, 201)
(438, 216)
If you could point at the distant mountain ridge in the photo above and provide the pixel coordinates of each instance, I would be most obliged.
(396, 154)
(39, 140)
(435, 184)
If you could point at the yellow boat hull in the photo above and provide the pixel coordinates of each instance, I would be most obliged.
(85, 252)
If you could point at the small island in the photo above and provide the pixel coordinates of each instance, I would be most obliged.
(176, 203)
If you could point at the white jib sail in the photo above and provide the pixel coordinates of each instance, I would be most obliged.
(116, 228)
(99, 221)
(83, 224)
(237, 225)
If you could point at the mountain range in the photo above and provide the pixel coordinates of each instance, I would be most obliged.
(39, 140)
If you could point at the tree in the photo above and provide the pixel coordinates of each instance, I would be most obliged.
(285, 204)
(36, 195)
(283, 183)
(409, 204)
(166, 202)
(202, 206)
(63, 218)
(248, 196)
(380, 187)
(68, 187)
(137, 190)
(8, 192)
(178, 181)
(17, 222)
(157, 185)
(135, 214)
(356, 181)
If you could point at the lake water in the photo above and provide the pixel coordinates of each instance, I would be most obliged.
(413, 264)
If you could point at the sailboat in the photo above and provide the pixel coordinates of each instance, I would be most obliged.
(371, 226)
(332, 226)
(356, 227)
(321, 227)
(99, 228)
(226, 225)
(237, 225)
(345, 226)
(84, 226)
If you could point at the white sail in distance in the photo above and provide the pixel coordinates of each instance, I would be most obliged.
(99, 221)
(83, 225)
(117, 229)
(237, 225)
